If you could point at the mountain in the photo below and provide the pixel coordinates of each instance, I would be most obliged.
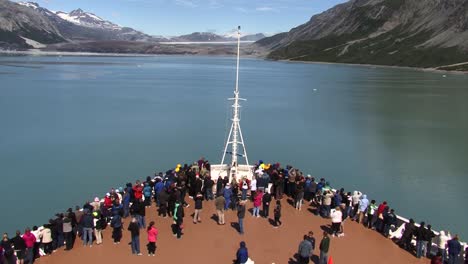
(200, 37)
(21, 24)
(25, 23)
(212, 37)
(423, 33)
(253, 37)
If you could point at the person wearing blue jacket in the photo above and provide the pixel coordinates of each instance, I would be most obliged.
(227, 193)
(147, 192)
(242, 254)
(158, 187)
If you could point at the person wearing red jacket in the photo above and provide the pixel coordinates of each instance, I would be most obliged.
(257, 203)
(152, 238)
(138, 191)
(29, 240)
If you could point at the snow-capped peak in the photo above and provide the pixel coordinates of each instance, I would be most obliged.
(32, 5)
(86, 19)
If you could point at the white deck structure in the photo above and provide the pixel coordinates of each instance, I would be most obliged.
(235, 142)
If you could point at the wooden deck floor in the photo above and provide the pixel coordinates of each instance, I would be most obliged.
(209, 243)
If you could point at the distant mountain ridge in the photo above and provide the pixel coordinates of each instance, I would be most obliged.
(212, 37)
(28, 25)
(424, 33)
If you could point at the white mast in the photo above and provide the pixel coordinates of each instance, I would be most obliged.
(235, 138)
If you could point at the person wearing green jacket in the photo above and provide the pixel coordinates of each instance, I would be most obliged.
(324, 247)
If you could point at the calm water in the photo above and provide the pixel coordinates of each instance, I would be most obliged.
(72, 127)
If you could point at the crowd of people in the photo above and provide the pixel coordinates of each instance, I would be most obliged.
(169, 192)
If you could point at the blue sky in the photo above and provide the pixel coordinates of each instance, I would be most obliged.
(176, 17)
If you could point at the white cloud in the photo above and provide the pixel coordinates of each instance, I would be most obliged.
(186, 3)
(241, 9)
(264, 9)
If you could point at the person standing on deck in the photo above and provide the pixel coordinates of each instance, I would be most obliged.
(134, 229)
(137, 191)
(454, 249)
(244, 188)
(241, 216)
(116, 225)
(198, 208)
(336, 218)
(147, 192)
(266, 200)
(324, 248)
(442, 244)
(46, 237)
(208, 188)
(8, 251)
(420, 232)
(428, 236)
(355, 199)
(29, 240)
(370, 214)
(299, 196)
(277, 214)
(253, 187)
(87, 223)
(227, 193)
(152, 238)
(158, 188)
(363, 208)
(390, 220)
(163, 199)
(242, 254)
(407, 236)
(305, 250)
(178, 217)
(219, 186)
(220, 202)
(257, 202)
(100, 224)
(327, 198)
(20, 247)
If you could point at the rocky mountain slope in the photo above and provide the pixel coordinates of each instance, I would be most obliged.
(26, 22)
(423, 33)
(19, 23)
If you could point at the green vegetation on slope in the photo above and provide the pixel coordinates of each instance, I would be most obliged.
(396, 48)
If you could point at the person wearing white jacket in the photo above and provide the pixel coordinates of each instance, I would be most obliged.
(336, 218)
(46, 235)
(442, 244)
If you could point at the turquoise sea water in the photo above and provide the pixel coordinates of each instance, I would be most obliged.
(72, 127)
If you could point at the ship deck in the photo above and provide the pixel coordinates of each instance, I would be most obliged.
(210, 243)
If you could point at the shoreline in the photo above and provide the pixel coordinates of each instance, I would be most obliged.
(96, 54)
(433, 70)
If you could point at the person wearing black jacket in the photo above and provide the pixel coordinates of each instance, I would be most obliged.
(87, 223)
(8, 251)
(20, 246)
(420, 234)
(178, 218)
(266, 199)
(410, 229)
(198, 208)
(241, 215)
(389, 220)
(116, 224)
(138, 210)
(428, 236)
(135, 234)
(163, 198)
(208, 188)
